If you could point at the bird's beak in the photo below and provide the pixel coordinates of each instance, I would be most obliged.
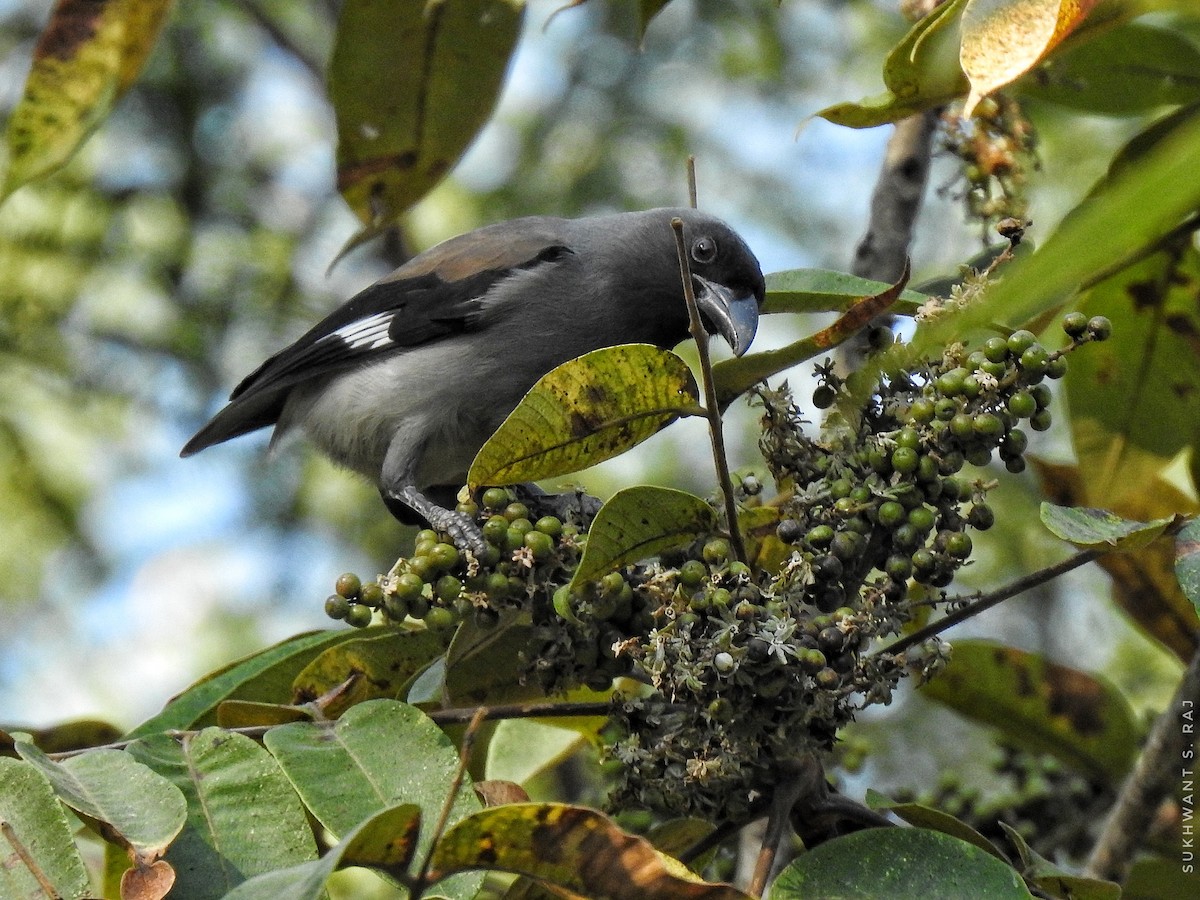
(733, 315)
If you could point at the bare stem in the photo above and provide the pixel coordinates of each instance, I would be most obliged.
(987, 601)
(1162, 760)
(711, 405)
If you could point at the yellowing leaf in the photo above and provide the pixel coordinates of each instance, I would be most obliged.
(640, 522)
(88, 55)
(570, 847)
(587, 410)
(412, 82)
(1004, 39)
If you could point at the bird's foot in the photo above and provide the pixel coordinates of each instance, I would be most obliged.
(461, 527)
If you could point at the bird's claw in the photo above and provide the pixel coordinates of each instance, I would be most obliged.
(462, 530)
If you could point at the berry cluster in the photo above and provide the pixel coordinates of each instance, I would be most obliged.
(997, 147)
(754, 666)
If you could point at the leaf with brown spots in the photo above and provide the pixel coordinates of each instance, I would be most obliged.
(585, 411)
(640, 522)
(1144, 583)
(1078, 718)
(1187, 561)
(412, 82)
(1135, 399)
(87, 56)
(1004, 39)
(571, 847)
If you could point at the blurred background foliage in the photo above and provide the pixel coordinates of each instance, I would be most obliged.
(193, 235)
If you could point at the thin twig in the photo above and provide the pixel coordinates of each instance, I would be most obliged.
(788, 790)
(464, 756)
(987, 601)
(1162, 760)
(712, 406)
(10, 835)
(691, 171)
(546, 710)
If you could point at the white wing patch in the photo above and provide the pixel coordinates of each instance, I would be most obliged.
(370, 333)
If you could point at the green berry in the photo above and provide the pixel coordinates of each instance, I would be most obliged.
(1014, 444)
(828, 680)
(495, 499)
(1074, 324)
(846, 545)
(950, 384)
(1015, 464)
(717, 551)
(945, 409)
(1041, 395)
(515, 511)
(693, 573)
(995, 349)
(447, 588)
(1020, 341)
(979, 456)
(1022, 405)
(921, 410)
(443, 557)
(336, 606)
(890, 513)
(908, 437)
(358, 615)
(962, 426)
(904, 459)
(988, 425)
(820, 536)
(371, 595)
(421, 566)
(550, 525)
(1035, 360)
(409, 585)
(1099, 328)
(1057, 367)
(958, 544)
(1041, 420)
(921, 518)
(898, 566)
(348, 585)
(540, 544)
(494, 529)
(440, 619)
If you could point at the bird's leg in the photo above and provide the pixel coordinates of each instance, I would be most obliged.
(461, 528)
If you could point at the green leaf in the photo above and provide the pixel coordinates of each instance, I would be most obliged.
(1187, 561)
(1080, 719)
(826, 290)
(571, 847)
(640, 522)
(379, 754)
(265, 676)
(1054, 881)
(920, 72)
(445, 63)
(243, 816)
(381, 663)
(1129, 70)
(733, 377)
(484, 664)
(1099, 528)
(140, 807)
(898, 862)
(1101, 236)
(1135, 398)
(585, 411)
(1153, 878)
(38, 823)
(385, 842)
(87, 56)
(934, 820)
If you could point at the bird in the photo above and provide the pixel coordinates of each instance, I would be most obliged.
(406, 381)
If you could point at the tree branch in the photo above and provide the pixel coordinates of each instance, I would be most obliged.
(1162, 761)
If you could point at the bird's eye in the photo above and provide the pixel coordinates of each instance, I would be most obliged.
(704, 250)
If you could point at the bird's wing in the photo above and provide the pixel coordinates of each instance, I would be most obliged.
(437, 293)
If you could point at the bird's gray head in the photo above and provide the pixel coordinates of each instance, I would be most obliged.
(726, 278)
